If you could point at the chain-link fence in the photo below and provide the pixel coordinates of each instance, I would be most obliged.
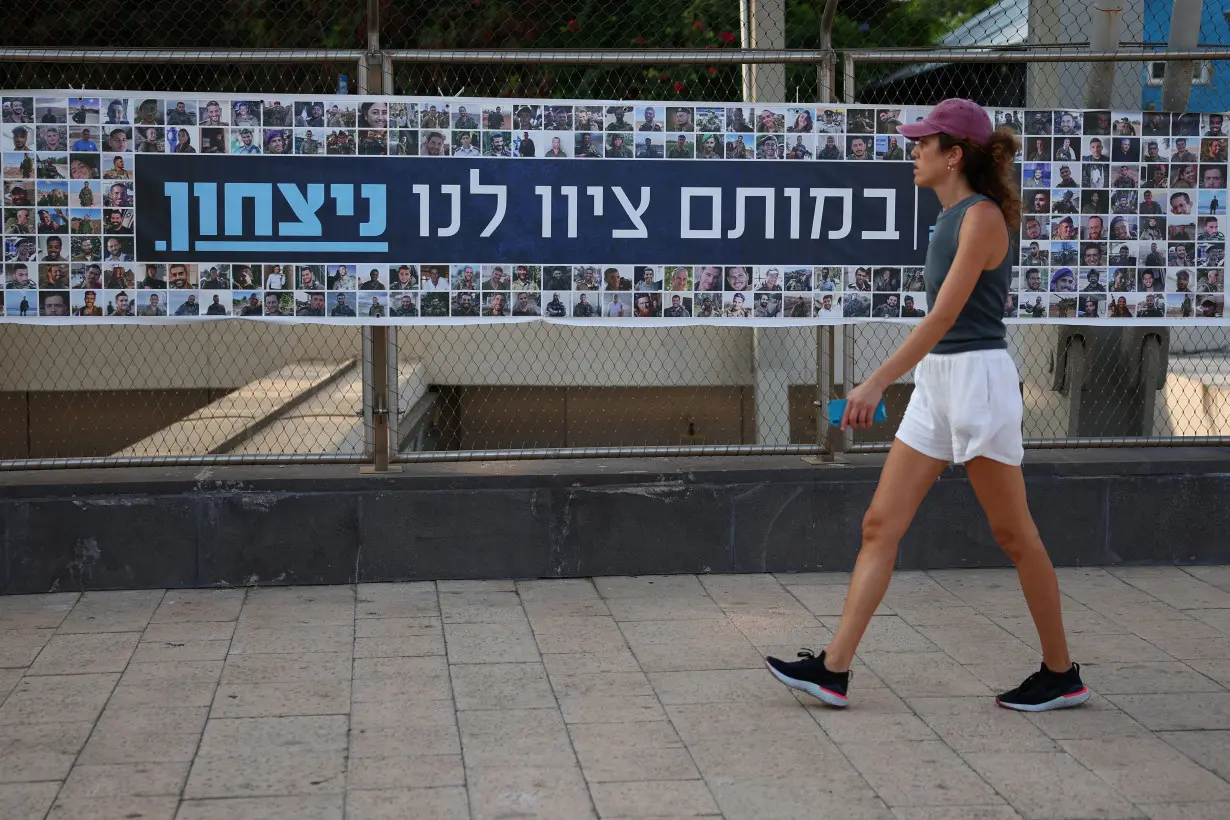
(207, 393)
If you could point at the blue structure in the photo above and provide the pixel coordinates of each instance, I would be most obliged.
(1005, 25)
(1211, 83)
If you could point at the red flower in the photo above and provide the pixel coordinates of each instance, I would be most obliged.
(712, 71)
(726, 37)
(573, 25)
(697, 25)
(640, 41)
(678, 87)
(664, 78)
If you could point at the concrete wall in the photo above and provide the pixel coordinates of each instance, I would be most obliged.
(225, 354)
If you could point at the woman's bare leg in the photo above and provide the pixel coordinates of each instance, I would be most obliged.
(1001, 491)
(904, 482)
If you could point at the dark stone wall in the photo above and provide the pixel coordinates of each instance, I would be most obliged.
(216, 527)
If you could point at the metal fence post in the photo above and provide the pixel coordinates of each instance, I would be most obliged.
(843, 340)
(379, 374)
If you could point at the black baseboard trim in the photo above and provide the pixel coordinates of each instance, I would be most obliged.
(234, 526)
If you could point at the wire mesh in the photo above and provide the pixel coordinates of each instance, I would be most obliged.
(539, 386)
(127, 392)
(256, 390)
(1102, 394)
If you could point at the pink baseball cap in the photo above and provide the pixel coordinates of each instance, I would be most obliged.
(962, 119)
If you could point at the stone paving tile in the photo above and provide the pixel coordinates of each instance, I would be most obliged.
(1198, 710)
(1218, 576)
(388, 729)
(566, 597)
(559, 634)
(126, 779)
(406, 772)
(923, 674)
(251, 638)
(1147, 770)
(309, 733)
(287, 668)
(793, 797)
(40, 751)
(487, 642)
(969, 726)
(527, 791)
(1210, 749)
(26, 801)
(315, 807)
(1219, 619)
(827, 600)
(1004, 812)
(1046, 785)
(758, 593)
(444, 803)
(1188, 811)
(1173, 586)
(683, 798)
(46, 611)
(246, 774)
(412, 600)
(191, 605)
(19, 647)
(114, 808)
(638, 751)
(719, 686)
(1217, 670)
(918, 773)
(128, 611)
(776, 628)
(406, 679)
(617, 697)
(491, 607)
(183, 631)
(502, 686)
(58, 698)
(398, 637)
(8, 681)
(171, 650)
(662, 646)
(515, 738)
(236, 700)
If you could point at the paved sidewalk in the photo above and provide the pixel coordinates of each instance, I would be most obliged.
(617, 697)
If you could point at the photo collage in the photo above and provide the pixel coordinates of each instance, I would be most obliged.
(1122, 212)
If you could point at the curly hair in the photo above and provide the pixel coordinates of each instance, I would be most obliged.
(989, 169)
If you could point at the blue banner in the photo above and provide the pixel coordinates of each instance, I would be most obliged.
(453, 210)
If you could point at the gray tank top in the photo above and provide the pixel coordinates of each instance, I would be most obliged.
(980, 324)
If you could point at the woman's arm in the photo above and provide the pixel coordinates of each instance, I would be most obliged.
(974, 255)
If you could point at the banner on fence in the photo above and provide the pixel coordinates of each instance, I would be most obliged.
(132, 207)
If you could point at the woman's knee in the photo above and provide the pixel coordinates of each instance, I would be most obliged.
(1018, 541)
(882, 527)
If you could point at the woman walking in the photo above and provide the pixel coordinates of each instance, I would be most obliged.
(966, 407)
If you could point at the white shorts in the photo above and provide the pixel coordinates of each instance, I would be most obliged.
(965, 405)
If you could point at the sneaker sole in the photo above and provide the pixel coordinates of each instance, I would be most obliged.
(816, 691)
(1065, 702)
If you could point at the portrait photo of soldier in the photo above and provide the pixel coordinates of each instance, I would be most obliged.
(276, 114)
(653, 146)
(183, 303)
(619, 118)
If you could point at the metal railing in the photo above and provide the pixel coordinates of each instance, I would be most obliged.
(458, 415)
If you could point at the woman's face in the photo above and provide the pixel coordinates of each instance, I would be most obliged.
(931, 162)
(378, 115)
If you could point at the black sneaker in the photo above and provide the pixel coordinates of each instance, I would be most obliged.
(1045, 690)
(810, 675)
